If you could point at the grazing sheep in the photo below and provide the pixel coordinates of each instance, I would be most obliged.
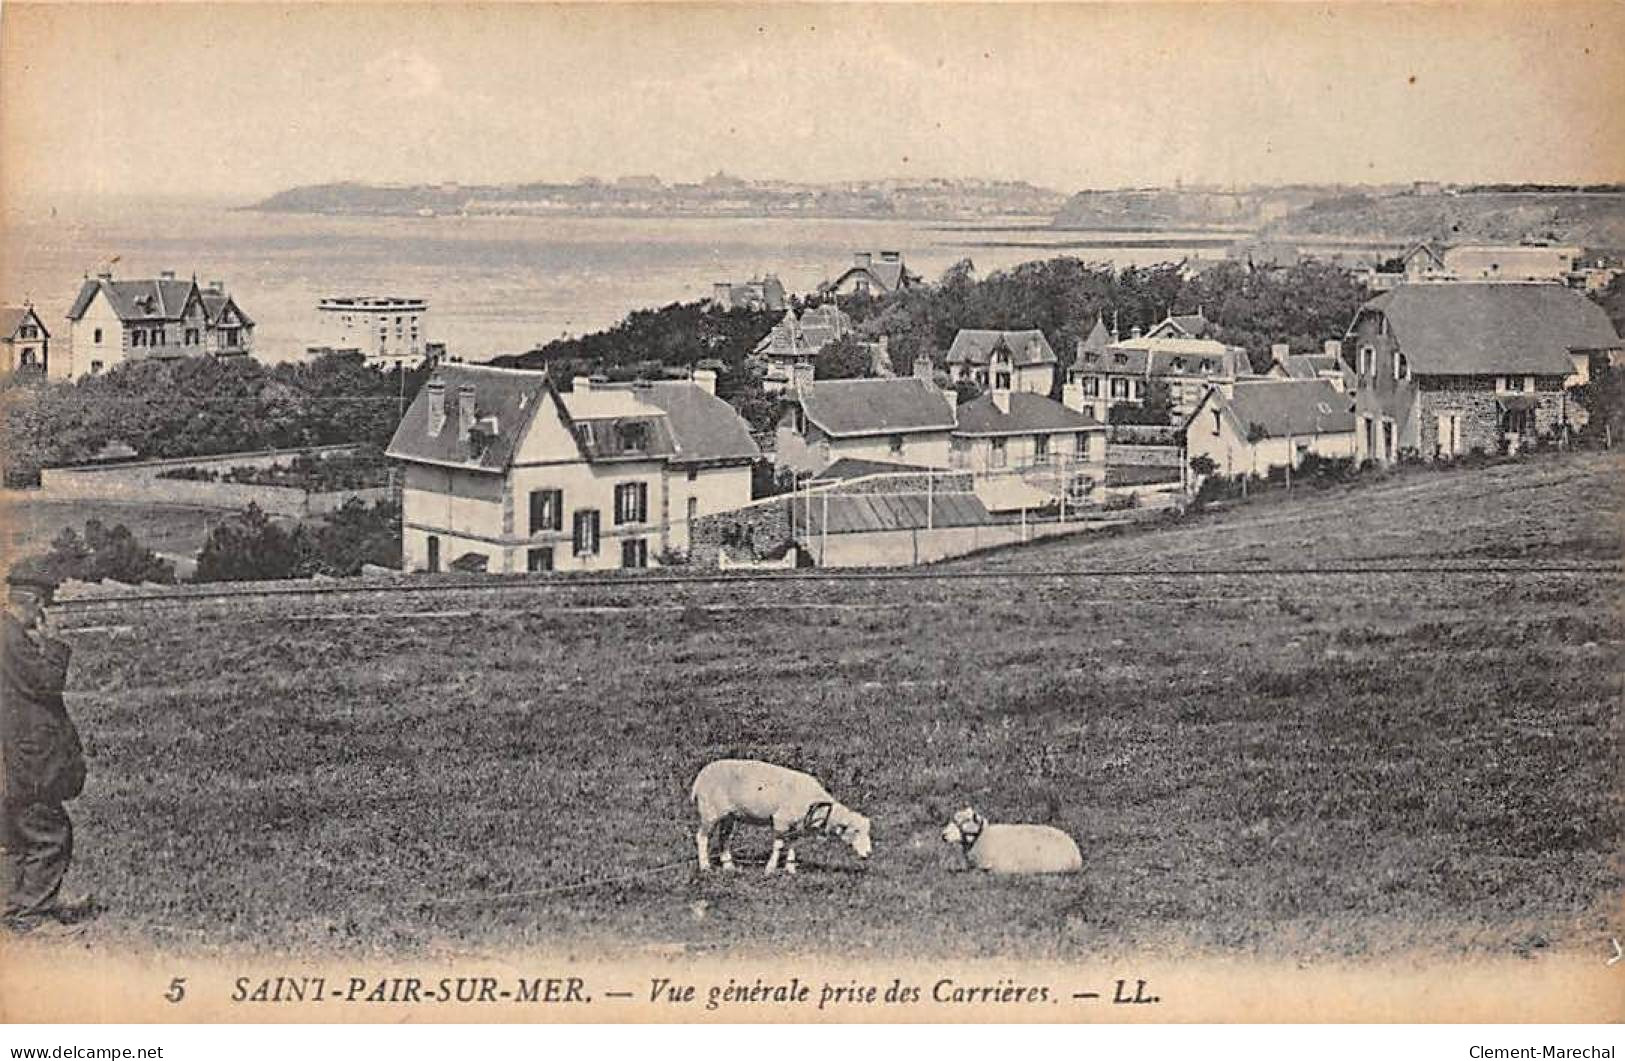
(794, 803)
(1012, 848)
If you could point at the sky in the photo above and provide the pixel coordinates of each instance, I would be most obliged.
(237, 101)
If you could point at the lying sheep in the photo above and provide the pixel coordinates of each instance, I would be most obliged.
(1012, 848)
(794, 803)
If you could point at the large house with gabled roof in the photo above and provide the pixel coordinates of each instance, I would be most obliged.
(1260, 424)
(1108, 371)
(113, 321)
(872, 273)
(505, 473)
(1444, 369)
(902, 420)
(1025, 356)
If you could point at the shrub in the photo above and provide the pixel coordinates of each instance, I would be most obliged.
(248, 546)
(1121, 502)
(103, 553)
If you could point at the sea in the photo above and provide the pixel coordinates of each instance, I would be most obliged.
(500, 285)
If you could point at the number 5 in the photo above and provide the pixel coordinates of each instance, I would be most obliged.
(177, 990)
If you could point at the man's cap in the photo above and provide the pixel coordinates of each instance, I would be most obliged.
(31, 572)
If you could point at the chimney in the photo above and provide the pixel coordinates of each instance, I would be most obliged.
(1135, 332)
(1334, 348)
(1072, 395)
(104, 274)
(167, 274)
(891, 256)
(437, 406)
(924, 369)
(862, 259)
(217, 287)
(722, 295)
(1280, 351)
(465, 409)
(705, 379)
(999, 394)
(581, 384)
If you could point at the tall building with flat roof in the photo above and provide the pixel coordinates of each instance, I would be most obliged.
(382, 327)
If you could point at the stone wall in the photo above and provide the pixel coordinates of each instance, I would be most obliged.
(755, 530)
(1155, 456)
(1481, 416)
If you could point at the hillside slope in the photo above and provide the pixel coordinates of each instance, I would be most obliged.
(1588, 220)
(1278, 764)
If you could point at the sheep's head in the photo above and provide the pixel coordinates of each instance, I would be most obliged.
(963, 828)
(852, 828)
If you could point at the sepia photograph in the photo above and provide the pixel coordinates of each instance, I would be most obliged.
(541, 513)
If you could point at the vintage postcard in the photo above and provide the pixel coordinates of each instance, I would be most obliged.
(812, 513)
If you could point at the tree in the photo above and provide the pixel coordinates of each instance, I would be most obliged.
(105, 554)
(248, 546)
(357, 534)
(1155, 410)
(844, 358)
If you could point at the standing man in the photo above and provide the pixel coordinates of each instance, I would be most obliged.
(44, 763)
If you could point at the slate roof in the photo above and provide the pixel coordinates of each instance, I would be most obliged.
(1461, 328)
(887, 274)
(135, 300)
(974, 346)
(12, 317)
(857, 468)
(1284, 407)
(1029, 414)
(215, 303)
(1182, 326)
(855, 407)
(854, 513)
(511, 395)
(1098, 338)
(703, 427)
(1114, 360)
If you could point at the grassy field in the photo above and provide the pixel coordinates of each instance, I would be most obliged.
(27, 524)
(1271, 764)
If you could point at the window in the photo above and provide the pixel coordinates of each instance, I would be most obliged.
(28, 357)
(634, 553)
(631, 503)
(998, 458)
(138, 337)
(1119, 388)
(158, 338)
(95, 367)
(1041, 449)
(97, 337)
(1080, 445)
(1368, 360)
(693, 474)
(1091, 386)
(1217, 421)
(693, 509)
(231, 336)
(1001, 381)
(896, 442)
(539, 559)
(1402, 366)
(584, 532)
(434, 553)
(1529, 384)
(546, 510)
(632, 436)
(1139, 389)
(191, 337)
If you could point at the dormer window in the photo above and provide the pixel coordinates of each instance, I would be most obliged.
(1179, 364)
(634, 436)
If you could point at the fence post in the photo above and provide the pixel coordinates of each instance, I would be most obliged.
(930, 499)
